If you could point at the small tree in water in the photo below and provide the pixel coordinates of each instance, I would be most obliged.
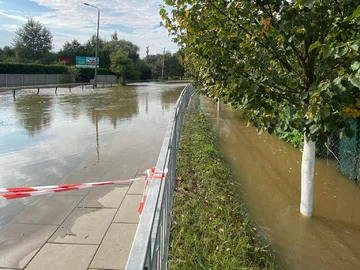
(265, 56)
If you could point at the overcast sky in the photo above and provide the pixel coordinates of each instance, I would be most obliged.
(134, 20)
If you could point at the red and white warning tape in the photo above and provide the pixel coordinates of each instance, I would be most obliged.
(21, 192)
(150, 174)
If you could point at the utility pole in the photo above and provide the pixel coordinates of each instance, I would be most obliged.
(163, 63)
(147, 54)
(97, 42)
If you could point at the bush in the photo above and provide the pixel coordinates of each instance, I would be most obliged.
(89, 72)
(10, 68)
(295, 137)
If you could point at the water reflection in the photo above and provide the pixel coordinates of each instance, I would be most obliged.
(34, 113)
(43, 138)
(269, 173)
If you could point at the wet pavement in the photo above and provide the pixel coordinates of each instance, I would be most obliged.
(95, 135)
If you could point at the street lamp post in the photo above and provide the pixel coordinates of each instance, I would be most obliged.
(97, 42)
(163, 63)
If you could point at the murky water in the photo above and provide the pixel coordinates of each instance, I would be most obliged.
(269, 173)
(43, 137)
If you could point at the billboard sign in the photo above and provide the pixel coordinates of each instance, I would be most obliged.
(87, 62)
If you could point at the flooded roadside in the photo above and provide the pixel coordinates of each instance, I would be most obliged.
(43, 137)
(268, 171)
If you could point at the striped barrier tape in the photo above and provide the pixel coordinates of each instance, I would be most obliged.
(22, 192)
(150, 174)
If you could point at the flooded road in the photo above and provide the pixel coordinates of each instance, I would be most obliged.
(43, 137)
(268, 171)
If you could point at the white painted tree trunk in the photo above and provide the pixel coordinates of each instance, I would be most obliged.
(307, 177)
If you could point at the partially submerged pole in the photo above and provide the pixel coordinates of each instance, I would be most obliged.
(307, 177)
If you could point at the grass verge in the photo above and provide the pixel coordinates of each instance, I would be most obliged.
(211, 228)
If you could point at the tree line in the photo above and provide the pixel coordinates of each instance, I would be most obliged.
(33, 43)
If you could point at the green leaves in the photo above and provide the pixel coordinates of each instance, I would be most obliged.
(355, 65)
(353, 15)
(355, 79)
(325, 51)
(314, 45)
(304, 57)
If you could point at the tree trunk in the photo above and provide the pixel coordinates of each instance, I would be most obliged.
(307, 177)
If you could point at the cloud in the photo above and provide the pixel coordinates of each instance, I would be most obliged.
(10, 16)
(134, 20)
(9, 27)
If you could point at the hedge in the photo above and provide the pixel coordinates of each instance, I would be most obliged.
(10, 68)
(89, 72)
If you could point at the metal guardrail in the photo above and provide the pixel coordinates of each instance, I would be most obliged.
(151, 243)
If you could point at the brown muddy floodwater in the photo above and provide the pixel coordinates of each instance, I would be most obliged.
(43, 137)
(268, 171)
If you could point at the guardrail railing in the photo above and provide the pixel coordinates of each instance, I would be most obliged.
(151, 243)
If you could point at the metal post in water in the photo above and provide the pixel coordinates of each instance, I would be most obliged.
(14, 94)
(70, 89)
(38, 91)
(56, 90)
(82, 87)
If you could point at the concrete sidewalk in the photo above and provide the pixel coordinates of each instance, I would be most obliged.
(88, 228)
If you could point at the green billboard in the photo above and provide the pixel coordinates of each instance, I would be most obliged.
(87, 62)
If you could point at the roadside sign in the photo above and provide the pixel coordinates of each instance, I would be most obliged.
(87, 62)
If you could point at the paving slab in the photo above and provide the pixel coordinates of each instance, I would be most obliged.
(128, 210)
(121, 172)
(84, 226)
(105, 196)
(92, 168)
(49, 210)
(63, 257)
(20, 242)
(115, 248)
(137, 187)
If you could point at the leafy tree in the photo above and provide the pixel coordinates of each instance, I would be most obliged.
(7, 54)
(114, 36)
(122, 65)
(264, 56)
(173, 66)
(145, 72)
(32, 41)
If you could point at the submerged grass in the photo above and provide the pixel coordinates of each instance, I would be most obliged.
(211, 228)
